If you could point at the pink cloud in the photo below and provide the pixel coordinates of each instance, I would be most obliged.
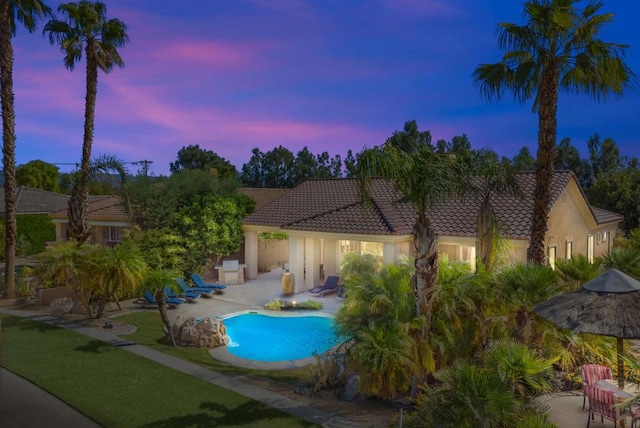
(213, 54)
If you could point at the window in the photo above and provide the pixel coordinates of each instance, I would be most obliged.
(360, 247)
(563, 197)
(552, 257)
(115, 233)
(591, 240)
(605, 236)
(568, 250)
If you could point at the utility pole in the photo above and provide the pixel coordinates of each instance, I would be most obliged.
(145, 166)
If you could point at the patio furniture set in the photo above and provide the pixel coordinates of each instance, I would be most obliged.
(605, 398)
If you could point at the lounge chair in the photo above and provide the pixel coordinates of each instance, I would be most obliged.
(330, 286)
(206, 292)
(199, 282)
(189, 296)
(150, 300)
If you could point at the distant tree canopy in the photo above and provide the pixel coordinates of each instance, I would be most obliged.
(280, 168)
(193, 157)
(39, 175)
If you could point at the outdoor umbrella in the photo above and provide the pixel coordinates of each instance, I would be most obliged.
(608, 305)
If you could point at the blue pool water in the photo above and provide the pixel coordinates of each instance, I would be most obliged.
(264, 338)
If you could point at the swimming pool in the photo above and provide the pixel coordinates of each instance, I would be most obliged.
(261, 337)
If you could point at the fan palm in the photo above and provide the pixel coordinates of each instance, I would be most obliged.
(520, 288)
(27, 13)
(578, 270)
(556, 49)
(625, 259)
(119, 267)
(86, 27)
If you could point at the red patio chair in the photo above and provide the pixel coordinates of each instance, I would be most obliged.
(591, 373)
(604, 403)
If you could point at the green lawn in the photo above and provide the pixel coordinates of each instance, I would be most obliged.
(120, 389)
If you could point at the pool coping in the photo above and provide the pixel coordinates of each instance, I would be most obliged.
(223, 355)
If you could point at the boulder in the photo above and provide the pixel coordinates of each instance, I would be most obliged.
(351, 389)
(62, 305)
(200, 333)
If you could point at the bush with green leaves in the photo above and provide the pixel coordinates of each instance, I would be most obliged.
(497, 390)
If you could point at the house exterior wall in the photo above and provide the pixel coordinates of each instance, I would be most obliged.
(570, 220)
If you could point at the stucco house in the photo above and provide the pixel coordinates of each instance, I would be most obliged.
(106, 215)
(326, 218)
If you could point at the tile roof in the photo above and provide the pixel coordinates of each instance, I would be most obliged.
(106, 208)
(35, 201)
(262, 196)
(335, 206)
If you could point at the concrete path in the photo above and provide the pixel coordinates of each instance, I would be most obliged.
(24, 405)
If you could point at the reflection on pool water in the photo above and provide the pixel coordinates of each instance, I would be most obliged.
(261, 337)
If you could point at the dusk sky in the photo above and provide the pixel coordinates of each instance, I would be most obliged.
(331, 75)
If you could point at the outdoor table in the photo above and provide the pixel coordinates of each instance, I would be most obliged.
(611, 385)
(621, 395)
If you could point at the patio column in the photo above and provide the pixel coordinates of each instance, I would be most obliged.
(296, 262)
(331, 257)
(388, 252)
(251, 254)
(312, 262)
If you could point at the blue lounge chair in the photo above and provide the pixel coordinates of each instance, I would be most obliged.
(199, 282)
(207, 292)
(189, 296)
(330, 286)
(172, 302)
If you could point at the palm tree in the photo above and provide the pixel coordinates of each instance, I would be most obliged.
(155, 282)
(378, 315)
(86, 26)
(520, 288)
(26, 12)
(491, 178)
(425, 179)
(120, 267)
(576, 271)
(71, 265)
(557, 49)
(625, 259)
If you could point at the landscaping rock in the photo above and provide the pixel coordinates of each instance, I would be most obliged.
(351, 390)
(200, 333)
(62, 305)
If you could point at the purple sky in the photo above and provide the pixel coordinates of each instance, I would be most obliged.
(331, 75)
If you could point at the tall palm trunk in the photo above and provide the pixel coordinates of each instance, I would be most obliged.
(80, 192)
(8, 149)
(425, 242)
(547, 125)
(162, 307)
(485, 229)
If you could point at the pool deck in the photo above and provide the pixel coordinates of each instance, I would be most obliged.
(252, 295)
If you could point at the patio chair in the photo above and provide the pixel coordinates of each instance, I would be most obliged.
(330, 286)
(606, 404)
(149, 299)
(199, 282)
(206, 292)
(189, 296)
(590, 374)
